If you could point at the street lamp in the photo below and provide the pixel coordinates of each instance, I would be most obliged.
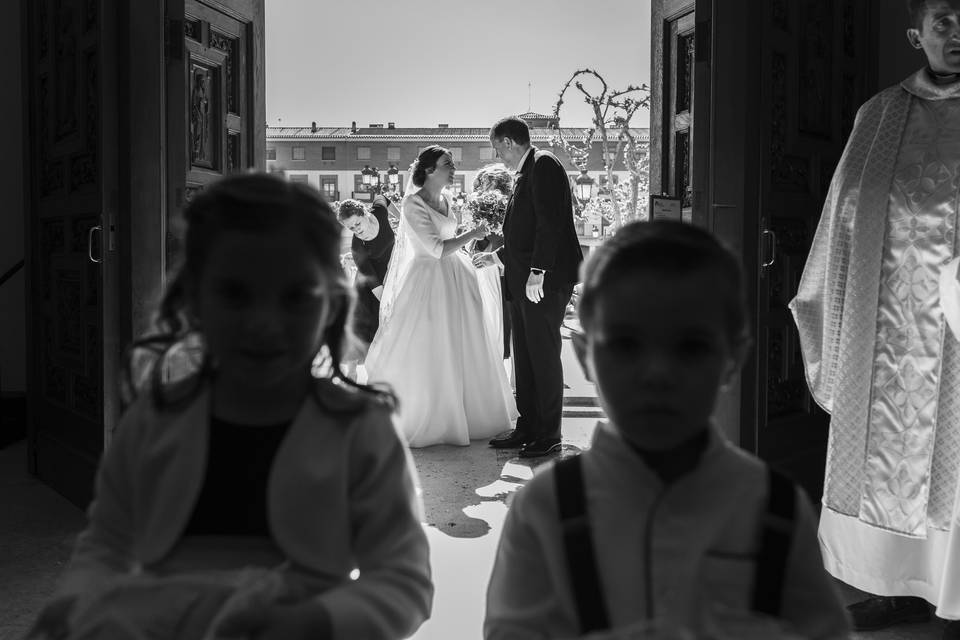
(584, 186)
(393, 177)
(365, 176)
(374, 180)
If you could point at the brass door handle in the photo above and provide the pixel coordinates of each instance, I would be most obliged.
(98, 229)
(772, 236)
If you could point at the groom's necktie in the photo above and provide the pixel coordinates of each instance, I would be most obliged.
(513, 194)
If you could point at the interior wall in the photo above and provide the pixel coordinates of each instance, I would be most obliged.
(12, 239)
(896, 59)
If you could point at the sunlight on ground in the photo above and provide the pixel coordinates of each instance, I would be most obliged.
(461, 570)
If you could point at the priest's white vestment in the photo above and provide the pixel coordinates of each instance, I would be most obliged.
(878, 353)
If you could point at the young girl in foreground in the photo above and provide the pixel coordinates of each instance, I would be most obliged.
(250, 461)
(683, 532)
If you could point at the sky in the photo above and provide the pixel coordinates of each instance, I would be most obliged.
(465, 63)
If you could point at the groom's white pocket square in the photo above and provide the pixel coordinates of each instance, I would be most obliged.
(950, 296)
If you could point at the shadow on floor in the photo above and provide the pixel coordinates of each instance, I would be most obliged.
(453, 479)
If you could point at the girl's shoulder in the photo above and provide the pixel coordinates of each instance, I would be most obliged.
(168, 397)
(344, 399)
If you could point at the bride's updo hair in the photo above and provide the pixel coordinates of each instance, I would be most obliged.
(427, 159)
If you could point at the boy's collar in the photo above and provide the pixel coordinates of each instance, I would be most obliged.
(677, 461)
(607, 436)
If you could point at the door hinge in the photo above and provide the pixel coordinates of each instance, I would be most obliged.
(112, 232)
(173, 39)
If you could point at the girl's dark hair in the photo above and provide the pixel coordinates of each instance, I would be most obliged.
(427, 159)
(255, 203)
(669, 248)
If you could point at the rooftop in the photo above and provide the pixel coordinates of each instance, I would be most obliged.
(427, 134)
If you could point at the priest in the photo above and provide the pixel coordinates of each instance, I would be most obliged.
(878, 355)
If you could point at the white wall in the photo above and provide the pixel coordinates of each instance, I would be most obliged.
(12, 243)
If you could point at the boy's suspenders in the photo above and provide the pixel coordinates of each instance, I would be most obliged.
(578, 544)
(776, 537)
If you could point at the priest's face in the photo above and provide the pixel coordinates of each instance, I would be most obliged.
(939, 37)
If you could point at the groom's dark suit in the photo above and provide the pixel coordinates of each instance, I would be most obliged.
(539, 233)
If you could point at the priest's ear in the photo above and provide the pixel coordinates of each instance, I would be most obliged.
(913, 37)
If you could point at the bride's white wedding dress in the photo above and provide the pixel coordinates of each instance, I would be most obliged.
(433, 345)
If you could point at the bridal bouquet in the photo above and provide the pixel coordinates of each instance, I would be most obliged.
(488, 206)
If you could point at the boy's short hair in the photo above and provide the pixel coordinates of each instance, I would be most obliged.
(349, 208)
(511, 127)
(671, 249)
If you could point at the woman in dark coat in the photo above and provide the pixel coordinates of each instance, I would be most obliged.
(371, 248)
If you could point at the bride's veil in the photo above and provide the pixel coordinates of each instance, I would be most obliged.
(400, 259)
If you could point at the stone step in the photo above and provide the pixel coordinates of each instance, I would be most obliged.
(581, 401)
(584, 412)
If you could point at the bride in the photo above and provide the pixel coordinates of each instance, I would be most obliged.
(433, 346)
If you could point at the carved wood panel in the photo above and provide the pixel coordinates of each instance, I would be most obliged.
(216, 97)
(815, 57)
(814, 62)
(64, 71)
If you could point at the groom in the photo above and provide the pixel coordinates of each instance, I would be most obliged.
(540, 259)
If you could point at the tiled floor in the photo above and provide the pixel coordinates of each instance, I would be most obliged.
(37, 527)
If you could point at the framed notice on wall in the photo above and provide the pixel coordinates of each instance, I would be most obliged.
(666, 208)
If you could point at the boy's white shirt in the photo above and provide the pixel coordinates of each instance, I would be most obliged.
(715, 508)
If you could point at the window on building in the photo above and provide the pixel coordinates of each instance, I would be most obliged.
(328, 187)
(393, 154)
(486, 153)
(299, 177)
(457, 154)
(458, 184)
(363, 153)
(328, 153)
(298, 153)
(271, 153)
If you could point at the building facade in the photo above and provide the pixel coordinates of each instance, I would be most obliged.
(333, 159)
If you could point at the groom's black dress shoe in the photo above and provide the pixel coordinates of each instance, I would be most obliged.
(540, 447)
(512, 439)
